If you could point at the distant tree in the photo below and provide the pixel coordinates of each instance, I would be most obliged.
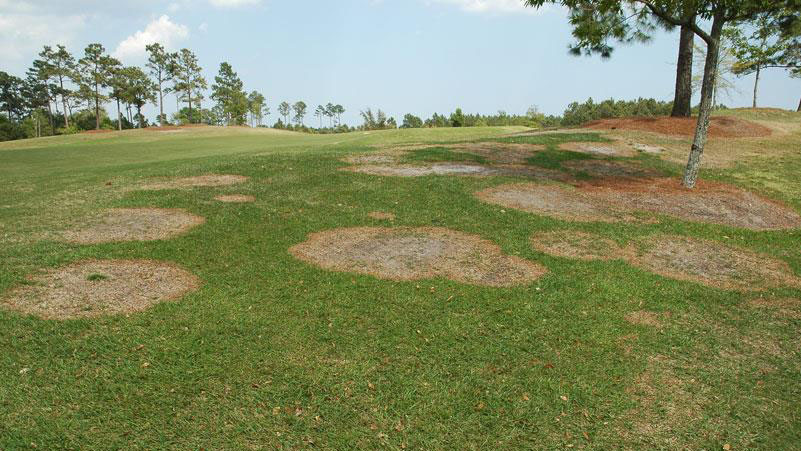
(141, 91)
(61, 68)
(299, 108)
(188, 83)
(228, 93)
(40, 91)
(411, 121)
(256, 106)
(11, 95)
(284, 109)
(339, 110)
(265, 112)
(119, 91)
(160, 63)
(760, 50)
(457, 118)
(96, 69)
(319, 112)
(330, 113)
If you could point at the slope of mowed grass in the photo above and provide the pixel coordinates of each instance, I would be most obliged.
(271, 351)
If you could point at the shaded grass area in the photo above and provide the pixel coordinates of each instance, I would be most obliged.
(272, 352)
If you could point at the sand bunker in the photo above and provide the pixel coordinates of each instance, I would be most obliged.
(235, 198)
(416, 253)
(707, 262)
(720, 126)
(136, 224)
(612, 200)
(196, 181)
(93, 288)
(381, 215)
(408, 170)
(612, 149)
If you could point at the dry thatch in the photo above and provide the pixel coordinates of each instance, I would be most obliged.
(93, 288)
(196, 181)
(416, 253)
(235, 198)
(136, 224)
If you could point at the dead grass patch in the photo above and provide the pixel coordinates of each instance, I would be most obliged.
(644, 318)
(611, 199)
(382, 215)
(607, 168)
(462, 169)
(235, 198)
(720, 126)
(136, 224)
(416, 253)
(498, 152)
(196, 181)
(781, 307)
(616, 149)
(677, 257)
(93, 288)
(578, 245)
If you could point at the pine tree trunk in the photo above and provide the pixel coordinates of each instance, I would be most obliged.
(756, 86)
(97, 107)
(64, 102)
(682, 101)
(161, 104)
(119, 116)
(707, 90)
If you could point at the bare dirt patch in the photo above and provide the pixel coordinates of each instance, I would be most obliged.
(235, 198)
(720, 126)
(616, 149)
(416, 253)
(196, 181)
(93, 288)
(644, 318)
(136, 224)
(578, 245)
(381, 215)
(677, 257)
(613, 199)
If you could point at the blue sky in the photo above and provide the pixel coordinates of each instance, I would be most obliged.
(419, 56)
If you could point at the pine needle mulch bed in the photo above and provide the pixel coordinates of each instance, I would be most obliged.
(136, 224)
(684, 258)
(720, 126)
(92, 288)
(416, 253)
(615, 199)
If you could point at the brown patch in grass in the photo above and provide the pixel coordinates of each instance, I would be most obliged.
(578, 245)
(136, 224)
(613, 199)
(197, 181)
(381, 215)
(677, 257)
(607, 168)
(93, 288)
(384, 157)
(499, 153)
(408, 170)
(720, 126)
(235, 198)
(617, 149)
(782, 307)
(416, 253)
(644, 318)
(565, 203)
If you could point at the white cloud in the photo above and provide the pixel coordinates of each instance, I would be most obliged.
(23, 34)
(204, 27)
(233, 3)
(488, 6)
(161, 30)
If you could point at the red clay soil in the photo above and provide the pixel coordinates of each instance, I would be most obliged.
(720, 126)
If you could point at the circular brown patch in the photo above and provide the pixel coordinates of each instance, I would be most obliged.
(197, 181)
(563, 203)
(616, 199)
(235, 198)
(93, 288)
(136, 224)
(644, 318)
(612, 149)
(498, 152)
(416, 253)
(382, 215)
(579, 245)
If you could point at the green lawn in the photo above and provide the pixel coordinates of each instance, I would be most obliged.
(273, 352)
